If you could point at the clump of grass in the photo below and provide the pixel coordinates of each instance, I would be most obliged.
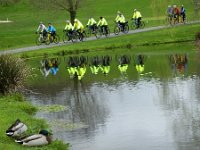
(13, 74)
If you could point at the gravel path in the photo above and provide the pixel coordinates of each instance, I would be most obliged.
(32, 48)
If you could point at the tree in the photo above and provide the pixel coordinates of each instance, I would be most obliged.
(71, 6)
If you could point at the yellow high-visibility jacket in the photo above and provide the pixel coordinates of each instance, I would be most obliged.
(102, 22)
(120, 18)
(69, 26)
(136, 15)
(91, 22)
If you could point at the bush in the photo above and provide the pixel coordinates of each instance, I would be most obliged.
(13, 74)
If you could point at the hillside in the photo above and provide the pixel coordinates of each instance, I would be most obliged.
(25, 17)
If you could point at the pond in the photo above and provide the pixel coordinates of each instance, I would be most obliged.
(152, 102)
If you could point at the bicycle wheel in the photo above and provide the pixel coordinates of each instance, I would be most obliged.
(142, 24)
(97, 33)
(126, 29)
(65, 38)
(82, 36)
(56, 39)
(133, 25)
(116, 30)
(88, 32)
(107, 34)
(74, 37)
(38, 40)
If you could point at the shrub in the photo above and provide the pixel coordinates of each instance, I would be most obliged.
(13, 74)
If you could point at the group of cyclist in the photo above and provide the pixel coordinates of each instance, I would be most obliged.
(176, 15)
(92, 24)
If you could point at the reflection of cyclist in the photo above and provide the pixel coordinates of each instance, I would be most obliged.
(120, 19)
(105, 67)
(103, 25)
(51, 30)
(139, 63)
(55, 63)
(42, 29)
(95, 65)
(92, 24)
(123, 64)
(138, 17)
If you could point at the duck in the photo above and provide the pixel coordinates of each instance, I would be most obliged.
(43, 138)
(16, 129)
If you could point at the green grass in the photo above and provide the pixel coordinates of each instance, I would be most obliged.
(25, 18)
(13, 107)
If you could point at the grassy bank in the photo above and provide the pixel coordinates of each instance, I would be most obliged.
(13, 107)
(21, 32)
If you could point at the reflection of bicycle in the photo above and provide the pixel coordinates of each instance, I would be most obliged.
(135, 26)
(41, 39)
(119, 28)
(102, 31)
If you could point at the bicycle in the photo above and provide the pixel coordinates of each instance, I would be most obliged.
(41, 39)
(69, 36)
(119, 28)
(90, 31)
(135, 26)
(52, 39)
(169, 19)
(102, 31)
(80, 35)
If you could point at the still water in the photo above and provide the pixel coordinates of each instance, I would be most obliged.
(156, 107)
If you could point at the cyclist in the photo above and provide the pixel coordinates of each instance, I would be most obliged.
(51, 30)
(103, 24)
(120, 19)
(182, 13)
(170, 13)
(42, 29)
(138, 17)
(68, 28)
(92, 24)
(176, 14)
(78, 26)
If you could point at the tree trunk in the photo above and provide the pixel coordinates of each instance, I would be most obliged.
(72, 16)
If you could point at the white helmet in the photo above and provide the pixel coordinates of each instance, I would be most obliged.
(135, 9)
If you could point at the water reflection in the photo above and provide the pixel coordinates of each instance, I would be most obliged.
(49, 66)
(124, 62)
(77, 67)
(139, 63)
(160, 111)
(179, 63)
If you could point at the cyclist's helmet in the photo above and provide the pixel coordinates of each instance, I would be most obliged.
(67, 21)
(101, 17)
(75, 20)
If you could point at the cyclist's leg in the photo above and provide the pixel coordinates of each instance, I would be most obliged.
(106, 29)
(139, 21)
